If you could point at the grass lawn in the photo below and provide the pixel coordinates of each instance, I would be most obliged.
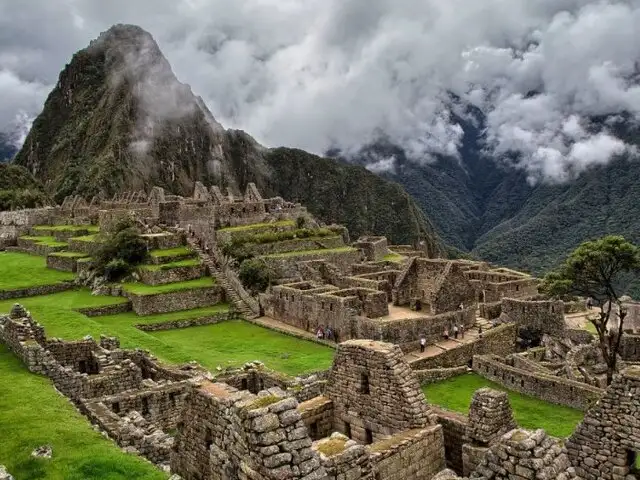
(211, 345)
(144, 289)
(67, 228)
(50, 241)
(21, 270)
(171, 252)
(194, 262)
(310, 252)
(33, 414)
(394, 257)
(456, 394)
(236, 342)
(254, 226)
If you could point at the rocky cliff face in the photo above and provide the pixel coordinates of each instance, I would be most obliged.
(118, 119)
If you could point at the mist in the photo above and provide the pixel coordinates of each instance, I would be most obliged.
(340, 74)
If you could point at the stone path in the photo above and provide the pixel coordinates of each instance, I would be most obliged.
(446, 345)
(282, 327)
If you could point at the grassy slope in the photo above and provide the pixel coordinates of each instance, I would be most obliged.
(297, 253)
(33, 414)
(456, 394)
(167, 266)
(19, 270)
(210, 345)
(171, 252)
(257, 226)
(67, 228)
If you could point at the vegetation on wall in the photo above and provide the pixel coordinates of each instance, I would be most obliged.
(19, 189)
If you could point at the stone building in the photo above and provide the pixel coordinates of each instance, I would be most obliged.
(494, 285)
(433, 286)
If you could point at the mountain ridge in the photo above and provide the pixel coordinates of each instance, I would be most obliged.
(118, 119)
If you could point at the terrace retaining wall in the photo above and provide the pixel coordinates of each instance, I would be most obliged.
(171, 275)
(549, 388)
(176, 301)
(36, 291)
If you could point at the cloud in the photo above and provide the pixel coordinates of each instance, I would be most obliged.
(323, 74)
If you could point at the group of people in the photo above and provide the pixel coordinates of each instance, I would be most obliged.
(326, 333)
(458, 331)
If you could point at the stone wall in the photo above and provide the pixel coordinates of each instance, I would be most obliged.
(185, 323)
(62, 263)
(454, 426)
(630, 348)
(36, 291)
(415, 455)
(406, 332)
(550, 388)
(374, 391)
(374, 248)
(299, 244)
(317, 415)
(604, 446)
(170, 275)
(344, 459)
(286, 266)
(105, 310)
(434, 375)
(543, 316)
(490, 311)
(500, 340)
(175, 301)
(227, 433)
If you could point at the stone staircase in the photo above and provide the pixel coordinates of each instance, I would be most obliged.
(245, 307)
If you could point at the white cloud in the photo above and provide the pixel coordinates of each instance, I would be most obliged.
(339, 73)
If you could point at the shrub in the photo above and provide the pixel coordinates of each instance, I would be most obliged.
(255, 275)
(123, 246)
(301, 222)
(116, 269)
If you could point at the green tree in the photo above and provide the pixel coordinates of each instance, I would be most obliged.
(601, 270)
(120, 250)
(255, 275)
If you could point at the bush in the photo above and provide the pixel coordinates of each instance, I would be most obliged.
(301, 222)
(123, 246)
(255, 275)
(116, 269)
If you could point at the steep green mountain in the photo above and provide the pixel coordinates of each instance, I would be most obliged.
(493, 213)
(118, 119)
(18, 188)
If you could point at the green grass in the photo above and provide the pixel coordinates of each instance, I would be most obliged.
(144, 289)
(69, 254)
(310, 252)
(130, 318)
(226, 344)
(456, 394)
(50, 241)
(33, 414)
(20, 270)
(86, 238)
(67, 228)
(394, 257)
(168, 266)
(254, 226)
(171, 252)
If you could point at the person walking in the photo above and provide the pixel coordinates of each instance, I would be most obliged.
(320, 333)
(455, 332)
(461, 330)
(423, 343)
(446, 333)
(480, 331)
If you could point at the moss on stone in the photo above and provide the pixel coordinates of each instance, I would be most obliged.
(332, 446)
(262, 402)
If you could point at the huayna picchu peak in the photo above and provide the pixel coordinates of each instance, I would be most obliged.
(118, 119)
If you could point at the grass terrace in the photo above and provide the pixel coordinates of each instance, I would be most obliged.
(171, 252)
(67, 228)
(50, 241)
(394, 257)
(69, 254)
(168, 266)
(86, 238)
(225, 344)
(21, 270)
(310, 252)
(531, 413)
(256, 226)
(144, 289)
(34, 414)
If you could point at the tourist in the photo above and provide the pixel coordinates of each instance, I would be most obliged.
(461, 306)
(455, 332)
(461, 330)
(480, 331)
(446, 333)
(329, 333)
(589, 303)
(423, 343)
(206, 248)
(320, 333)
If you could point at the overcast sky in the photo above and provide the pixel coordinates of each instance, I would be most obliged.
(316, 74)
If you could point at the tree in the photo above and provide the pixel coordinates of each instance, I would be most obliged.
(599, 269)
(120, 251)
(255, 275)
